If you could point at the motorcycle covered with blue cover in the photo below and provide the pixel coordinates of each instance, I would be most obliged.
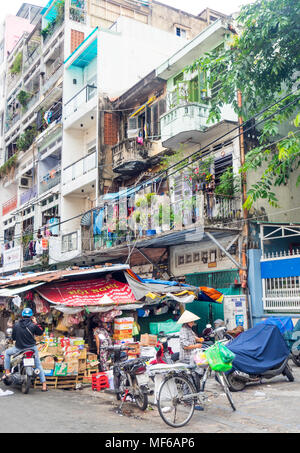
(260, 352)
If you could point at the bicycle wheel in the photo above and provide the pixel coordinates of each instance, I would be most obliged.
(175, 406)
(223, 381)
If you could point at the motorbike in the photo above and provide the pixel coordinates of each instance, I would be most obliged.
(22, 369)
(130, 378)
(295, 349)
(219, 332)
(260, 353)
(164, 352)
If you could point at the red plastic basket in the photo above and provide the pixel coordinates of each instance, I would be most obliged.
(100, 382)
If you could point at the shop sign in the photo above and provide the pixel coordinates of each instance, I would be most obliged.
(88, 292)
(12, 259)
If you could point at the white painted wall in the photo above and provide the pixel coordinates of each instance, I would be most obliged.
(131, 52)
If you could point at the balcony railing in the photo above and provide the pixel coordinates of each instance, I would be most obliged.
(80, 168)
(11, 122)
(183, 119)
(47, 35)
(52, 79)
(120, 224)
(10, 205)
(50, 180)
(281, 287)
(80, 99)
(129, 156)
(78, 15)
(219, 208)
(28, 195)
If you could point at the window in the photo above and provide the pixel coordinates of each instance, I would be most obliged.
(157, 110)
(69, 242)
(221, 166)
(180, 32)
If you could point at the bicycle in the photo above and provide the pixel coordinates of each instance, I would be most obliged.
(179, 392)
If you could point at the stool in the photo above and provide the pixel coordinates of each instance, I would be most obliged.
(100, 382)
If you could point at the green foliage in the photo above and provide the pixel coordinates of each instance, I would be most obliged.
(23, 97)
(17, 64)
(26, 139)
(8, 165)
(261, 59)
(60, 14)
(229, 183)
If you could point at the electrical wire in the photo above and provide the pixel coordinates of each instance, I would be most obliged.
(147, 182)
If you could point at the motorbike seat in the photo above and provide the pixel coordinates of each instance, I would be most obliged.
(21, 352)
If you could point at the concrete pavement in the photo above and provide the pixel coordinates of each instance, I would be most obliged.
(272, 407)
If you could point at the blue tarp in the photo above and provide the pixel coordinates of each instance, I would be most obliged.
(284, 324)
(258, 349)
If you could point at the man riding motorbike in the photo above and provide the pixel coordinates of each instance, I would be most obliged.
(23, 334)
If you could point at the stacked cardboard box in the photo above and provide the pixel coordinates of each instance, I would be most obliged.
(123, 328)
(148, 340)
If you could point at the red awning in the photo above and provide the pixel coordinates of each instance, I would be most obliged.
(88, 292)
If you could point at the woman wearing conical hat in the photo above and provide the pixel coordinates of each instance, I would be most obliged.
(188, 339)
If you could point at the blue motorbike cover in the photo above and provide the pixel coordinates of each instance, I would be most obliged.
(258, 349)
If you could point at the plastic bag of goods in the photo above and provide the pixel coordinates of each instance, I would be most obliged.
(200, 358)
(215, 354)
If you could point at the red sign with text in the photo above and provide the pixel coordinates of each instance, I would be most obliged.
(88, 292)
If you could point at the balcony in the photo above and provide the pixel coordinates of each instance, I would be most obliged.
(52, 79)
(9, 205)
(28, 195)
(184, 123)
(78, 15)
(80, 100)
(81, 173)
(50, 180)
(219, 208)
(160, 219)
(130, 157)
(51, 30)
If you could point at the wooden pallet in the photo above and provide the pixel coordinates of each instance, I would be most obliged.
(88, 374)
(61, 382)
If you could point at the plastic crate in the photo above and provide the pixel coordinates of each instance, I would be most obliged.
(100, 381)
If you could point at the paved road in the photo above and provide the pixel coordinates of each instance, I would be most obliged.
(272, 407)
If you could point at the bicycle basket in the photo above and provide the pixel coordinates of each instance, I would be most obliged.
(215, 358)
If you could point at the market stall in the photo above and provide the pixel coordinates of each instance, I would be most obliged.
(73, 305)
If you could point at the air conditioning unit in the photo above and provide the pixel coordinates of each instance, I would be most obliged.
(25, 182)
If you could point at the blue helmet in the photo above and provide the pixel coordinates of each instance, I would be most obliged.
(27, 313)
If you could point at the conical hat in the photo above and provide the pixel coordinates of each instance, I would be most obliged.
(187, 316)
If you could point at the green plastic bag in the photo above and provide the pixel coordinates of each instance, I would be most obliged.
(215, 359)
(226, 354)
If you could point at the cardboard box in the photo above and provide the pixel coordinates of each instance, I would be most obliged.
(83, 354)
(123, 324)
(134, 349)
(91, 356)
(81, 365)
(48, 363)
(61, 369)
(148, 340)
(73, 367)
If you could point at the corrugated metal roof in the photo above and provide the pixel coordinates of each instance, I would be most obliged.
(51, 276)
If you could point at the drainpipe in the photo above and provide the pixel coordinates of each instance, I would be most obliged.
(245, 230)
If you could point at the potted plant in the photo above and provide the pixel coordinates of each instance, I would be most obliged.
(23, 97)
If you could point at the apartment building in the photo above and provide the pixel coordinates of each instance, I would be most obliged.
(162, 114)
(61, 74)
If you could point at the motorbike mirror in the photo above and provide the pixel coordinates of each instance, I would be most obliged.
(9, 332)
